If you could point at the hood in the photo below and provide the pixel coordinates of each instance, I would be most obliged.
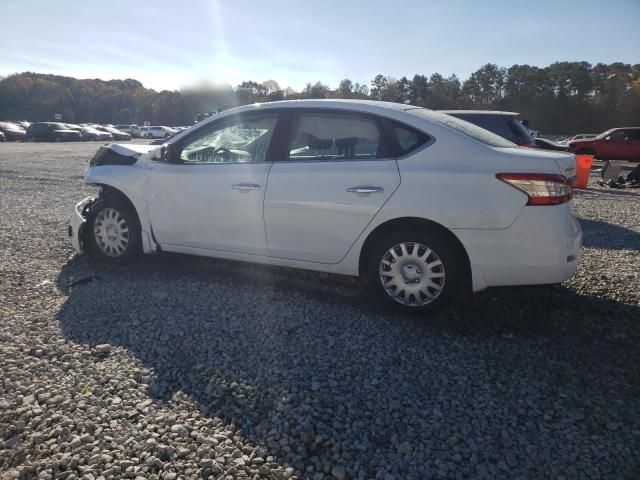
(581, 141)
(131, 149)
(117, 154)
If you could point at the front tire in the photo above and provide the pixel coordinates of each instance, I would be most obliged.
(414, 271)
(113, 232)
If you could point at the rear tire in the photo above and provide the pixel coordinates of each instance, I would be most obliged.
(113, 232)
(414, 271)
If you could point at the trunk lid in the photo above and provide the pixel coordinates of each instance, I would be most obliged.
(565, 162)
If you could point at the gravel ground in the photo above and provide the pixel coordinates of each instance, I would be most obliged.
(183, 367)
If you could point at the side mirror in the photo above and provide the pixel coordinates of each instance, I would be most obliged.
(169, 153)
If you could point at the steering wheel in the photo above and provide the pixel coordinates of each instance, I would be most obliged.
(226, 153)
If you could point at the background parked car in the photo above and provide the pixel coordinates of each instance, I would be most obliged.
(546, 144)
(12, 131)
(131, 129)
(91, 133)
(115, 133)
(505, 124)
(583, 136)
(52, 132)
(160, 132)
(2, 137)
(614, 144)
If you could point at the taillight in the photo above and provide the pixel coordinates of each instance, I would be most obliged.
(541, 188)
(525, 144)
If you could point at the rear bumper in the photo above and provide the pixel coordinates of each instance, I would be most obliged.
(543, 246)
(77, 223)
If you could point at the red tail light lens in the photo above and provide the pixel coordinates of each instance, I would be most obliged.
(541, 188)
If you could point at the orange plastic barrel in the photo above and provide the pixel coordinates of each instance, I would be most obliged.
(583, 168)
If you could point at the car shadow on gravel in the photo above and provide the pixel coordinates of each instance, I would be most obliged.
(608, 236)
(273, 351)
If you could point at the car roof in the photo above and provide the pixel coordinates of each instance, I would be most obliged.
(480, 112)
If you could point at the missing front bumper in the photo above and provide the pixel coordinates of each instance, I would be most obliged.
(77, 223)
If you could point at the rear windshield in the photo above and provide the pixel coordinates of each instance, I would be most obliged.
(466, 128)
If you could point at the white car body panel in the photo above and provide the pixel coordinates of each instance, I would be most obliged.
(198, 206)
(302, 216)
(309, 214)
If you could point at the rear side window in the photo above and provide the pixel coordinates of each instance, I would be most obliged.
(466, 128)
(408, 138)
(334, 136)
(634, 134)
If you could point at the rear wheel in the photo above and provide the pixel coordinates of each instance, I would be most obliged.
(414, 271)
(113, 232)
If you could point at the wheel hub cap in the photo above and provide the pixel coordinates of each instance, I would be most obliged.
(111, 232)
(412, 274)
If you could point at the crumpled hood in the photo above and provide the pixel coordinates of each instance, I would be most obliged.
(132, 149)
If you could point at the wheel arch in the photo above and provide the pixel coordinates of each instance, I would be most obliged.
(586, 151)
(416, 223)
(149, 244)
(111, 191)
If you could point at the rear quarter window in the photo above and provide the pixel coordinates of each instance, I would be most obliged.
(408, 139)
(463, 127)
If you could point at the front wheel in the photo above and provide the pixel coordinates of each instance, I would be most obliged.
(414, 271)
(114, 232)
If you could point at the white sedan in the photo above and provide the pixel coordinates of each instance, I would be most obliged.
(419, 203)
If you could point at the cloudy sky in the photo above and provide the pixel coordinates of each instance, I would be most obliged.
(170, 44)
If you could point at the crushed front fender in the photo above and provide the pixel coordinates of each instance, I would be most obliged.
(78, 220)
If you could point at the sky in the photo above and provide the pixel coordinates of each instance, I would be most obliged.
(169, 44)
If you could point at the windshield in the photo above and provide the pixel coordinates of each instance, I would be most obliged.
(605, 134)
(466, 128)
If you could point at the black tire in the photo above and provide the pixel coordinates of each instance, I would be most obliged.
(451, 265)
(57, 139)
(133, 248)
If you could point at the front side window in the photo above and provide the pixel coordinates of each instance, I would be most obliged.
(239, 140)
(334, 136)
(618, 135)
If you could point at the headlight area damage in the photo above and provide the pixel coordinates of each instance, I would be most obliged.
(81, 212)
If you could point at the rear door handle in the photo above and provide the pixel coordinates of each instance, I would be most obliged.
(366, 189)
(246, 186)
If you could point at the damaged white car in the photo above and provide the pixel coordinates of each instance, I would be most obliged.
(419, 203)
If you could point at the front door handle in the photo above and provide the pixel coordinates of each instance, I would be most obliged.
(366, 189)
(246, 186)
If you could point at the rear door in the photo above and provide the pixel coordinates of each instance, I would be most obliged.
(335, 174)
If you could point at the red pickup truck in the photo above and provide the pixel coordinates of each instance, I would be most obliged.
(614, 144)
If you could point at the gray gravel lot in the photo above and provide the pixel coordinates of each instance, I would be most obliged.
(184, 367)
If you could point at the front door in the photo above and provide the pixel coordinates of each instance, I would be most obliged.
(335, 176)
(211, 197)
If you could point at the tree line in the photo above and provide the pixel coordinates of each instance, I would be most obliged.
(565, 97)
